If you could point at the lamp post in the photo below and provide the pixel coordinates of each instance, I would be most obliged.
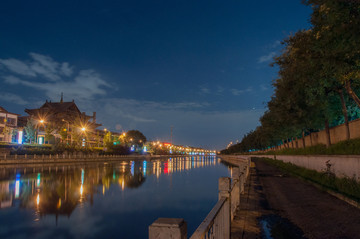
(68, 131)
(83, 129)
(41, 121)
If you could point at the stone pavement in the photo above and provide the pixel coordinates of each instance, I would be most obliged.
(245, 223)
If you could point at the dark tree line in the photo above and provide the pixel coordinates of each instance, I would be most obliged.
(318, 82)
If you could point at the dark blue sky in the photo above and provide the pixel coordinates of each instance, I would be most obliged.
(200, 66)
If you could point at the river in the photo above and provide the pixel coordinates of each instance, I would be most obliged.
(108, 199)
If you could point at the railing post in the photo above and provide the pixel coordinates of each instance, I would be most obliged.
(236, 189)
(242, 182)
(235, 173)
(224, 187)
(224, 191)
(165, 228)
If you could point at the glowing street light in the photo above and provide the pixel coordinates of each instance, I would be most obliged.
(40, 140)
(83, 129)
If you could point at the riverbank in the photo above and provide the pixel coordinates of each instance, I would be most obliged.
(278, 205)
(62, 159)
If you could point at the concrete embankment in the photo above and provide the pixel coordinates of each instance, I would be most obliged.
(237, 160)
(340, 165)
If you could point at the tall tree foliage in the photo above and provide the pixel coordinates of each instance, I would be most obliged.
(336, 28)
(30, 131)
(316, 67)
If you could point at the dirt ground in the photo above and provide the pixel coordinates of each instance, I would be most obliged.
(280, 206)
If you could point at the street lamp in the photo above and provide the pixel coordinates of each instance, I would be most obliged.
(83, 129)
(41, 121)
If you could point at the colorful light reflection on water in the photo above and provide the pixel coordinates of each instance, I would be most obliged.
(109, 199)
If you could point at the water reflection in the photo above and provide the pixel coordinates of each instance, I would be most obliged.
(59, 190)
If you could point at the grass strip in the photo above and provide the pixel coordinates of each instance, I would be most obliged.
(346, 186)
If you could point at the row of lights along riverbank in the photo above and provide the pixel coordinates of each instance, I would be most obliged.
(150, 147)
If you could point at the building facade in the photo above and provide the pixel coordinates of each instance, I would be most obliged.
(8, 125)
(62, 121)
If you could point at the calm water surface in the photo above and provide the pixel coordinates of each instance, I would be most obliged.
(106, 200)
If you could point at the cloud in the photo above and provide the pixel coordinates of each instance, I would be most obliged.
(204, 90)
(220, 90)
(142, 111)
(267, 57)
(195, 123)
(53, 77)
(45, 66)
(275, 44)
(18, 67)
(263, 87)
(12, 80)
(9, 97)
(239, 92)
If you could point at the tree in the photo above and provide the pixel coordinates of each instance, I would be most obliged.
(108, 139)
(135, 137)
(49, 133)
(336, 28)
(30, 131)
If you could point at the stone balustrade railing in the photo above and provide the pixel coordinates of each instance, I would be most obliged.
(64, 158)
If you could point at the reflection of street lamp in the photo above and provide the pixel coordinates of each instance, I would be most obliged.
(38, 199)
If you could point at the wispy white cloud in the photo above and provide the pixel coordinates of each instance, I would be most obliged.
(17, 67)
(275, 44)
(142, 111)
(239, 92)
(266, 58)
(12, 80)
(220, 90)
(204, 90)
(44, 73)
(13, 98)
(211, 128)
(263, 87)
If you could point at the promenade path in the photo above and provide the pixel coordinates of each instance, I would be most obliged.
(291, 208)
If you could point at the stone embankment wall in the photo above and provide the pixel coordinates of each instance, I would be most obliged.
(341, 165)
(68, 158)
(337, 134)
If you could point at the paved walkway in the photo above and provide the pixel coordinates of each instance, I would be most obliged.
(291, 208)
(245, 223)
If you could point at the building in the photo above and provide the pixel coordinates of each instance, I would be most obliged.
(63, 121)
(8, 125)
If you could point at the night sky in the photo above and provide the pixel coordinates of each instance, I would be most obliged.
(199, 66)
